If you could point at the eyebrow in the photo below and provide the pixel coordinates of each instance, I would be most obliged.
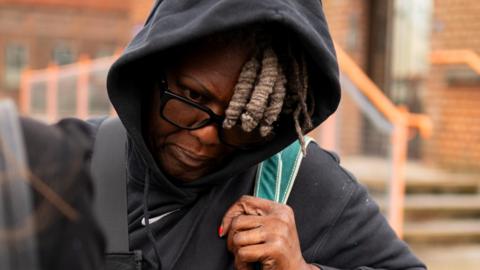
(203, 89)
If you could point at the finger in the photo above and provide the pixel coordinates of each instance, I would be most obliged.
(264, 205)
(251, 237)
(245, 205)
(250, 254)
(240, 224)
(246, 222)
(234, 211)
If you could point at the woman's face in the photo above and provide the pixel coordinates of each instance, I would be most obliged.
(207, 76)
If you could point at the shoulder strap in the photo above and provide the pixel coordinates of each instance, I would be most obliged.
(276, 175)
(108, 169)
(15, 194)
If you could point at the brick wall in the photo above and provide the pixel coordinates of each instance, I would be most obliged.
(140, 10)
(40, 29)
(455, 111)
(454, 106)
(456, 25)
(348, 21)
(104, 5)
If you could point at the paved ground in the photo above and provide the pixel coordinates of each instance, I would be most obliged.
(438, 256)
(376, 171)
(455, 257)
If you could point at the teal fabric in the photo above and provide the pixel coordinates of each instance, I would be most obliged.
(267, 178)
(276, 175)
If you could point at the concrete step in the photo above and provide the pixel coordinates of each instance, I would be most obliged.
(441, 208)
(428, 206)
(417, 185)
(442, 202)
(443, 230)
(375, 173)
(449, 257)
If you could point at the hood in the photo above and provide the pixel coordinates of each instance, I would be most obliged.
(173, 23)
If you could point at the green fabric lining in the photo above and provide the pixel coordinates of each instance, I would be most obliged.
(276, 175)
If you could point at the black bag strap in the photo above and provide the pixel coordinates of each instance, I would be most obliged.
(108, 169)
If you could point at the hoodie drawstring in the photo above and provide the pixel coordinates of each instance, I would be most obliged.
(146, 214)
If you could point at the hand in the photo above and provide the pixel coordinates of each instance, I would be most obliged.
(263, 231)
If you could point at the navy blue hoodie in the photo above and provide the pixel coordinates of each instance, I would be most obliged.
(339, 226)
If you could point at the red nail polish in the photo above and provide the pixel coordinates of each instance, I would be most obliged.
(220, 231)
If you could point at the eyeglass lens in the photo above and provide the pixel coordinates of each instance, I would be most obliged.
(187, 116)
(184, 115)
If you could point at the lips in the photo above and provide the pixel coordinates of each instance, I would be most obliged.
(188, 158)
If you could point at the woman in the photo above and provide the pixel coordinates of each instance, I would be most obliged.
(206, 91)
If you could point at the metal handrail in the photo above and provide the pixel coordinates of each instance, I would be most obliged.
(456, 57)
(397, 124)
(384, 105)
(51, 75)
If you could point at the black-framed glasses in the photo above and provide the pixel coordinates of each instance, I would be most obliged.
(187, 114)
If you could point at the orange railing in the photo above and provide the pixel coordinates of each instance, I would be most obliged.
(456, 57)
(50, 76)
(402, 122)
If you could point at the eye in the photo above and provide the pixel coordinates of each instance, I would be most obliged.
(192, 95)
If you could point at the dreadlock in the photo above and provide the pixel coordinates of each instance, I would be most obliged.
(242, 91)
(263, 92)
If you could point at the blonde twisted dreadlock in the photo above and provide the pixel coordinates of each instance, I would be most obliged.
(242, 91)
(275, 105)
(263, 92)
(264, 88)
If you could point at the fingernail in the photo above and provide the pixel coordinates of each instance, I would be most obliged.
(220, 231)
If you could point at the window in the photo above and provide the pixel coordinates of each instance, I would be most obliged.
(15, 61)
(63, 54)
(104, 52)
(411, 38)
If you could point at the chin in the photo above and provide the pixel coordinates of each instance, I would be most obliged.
(178, 172)
(188, 176)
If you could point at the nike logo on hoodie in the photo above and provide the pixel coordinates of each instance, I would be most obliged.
(157, 218)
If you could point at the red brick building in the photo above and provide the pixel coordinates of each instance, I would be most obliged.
(452, 95)
(382, 36)
(449, 94)
(360, 28)
(34, 33)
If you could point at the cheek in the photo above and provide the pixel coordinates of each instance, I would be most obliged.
(156, 127)
(159, 130)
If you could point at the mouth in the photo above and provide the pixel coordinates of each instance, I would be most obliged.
(188, 158)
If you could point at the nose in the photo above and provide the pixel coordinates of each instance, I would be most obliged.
(207, 135)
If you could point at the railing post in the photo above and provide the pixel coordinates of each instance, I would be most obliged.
(397, 185)
(25, 94)
(52, 93)
(83, 87)
(113, 112)
(118, 52)
(328, 139)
